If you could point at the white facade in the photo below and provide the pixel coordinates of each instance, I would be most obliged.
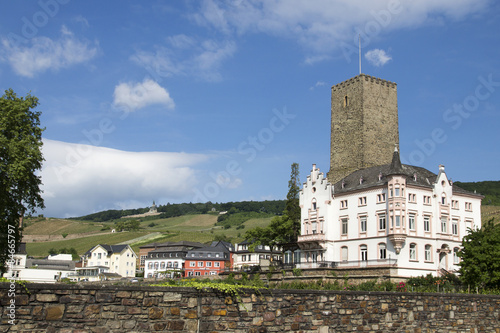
(243, 257)
(394, 215)
(49, 270)
(158, 265)
(119, 259)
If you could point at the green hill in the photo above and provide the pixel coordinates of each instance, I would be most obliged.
(490, 190)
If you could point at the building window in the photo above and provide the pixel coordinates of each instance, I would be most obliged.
(162, 265)
(176, 264)
(362, 222)
(413, 251)
(99, 256)
(444, 226)
(346, 101)
(412, 198)
(209, 264)
(382, 251)
(197, 273)
(428, 253)
(150, 265)
(244, 257)
(380, 197)
(454, 227)
(249, 257)
(454, 204)
(156, 265)
(362, 201)
(216, 264)
(456, 259)
(344, 226)
(468, 206)
(143, 260)
(381, 222)
(192, 264)
(344, 253)
(398, 220)
(427, 223)
(411, 221)
(200, 263)
(427, 200)
(364, 252)
(443, 199)
(343, 204)
(396, 192)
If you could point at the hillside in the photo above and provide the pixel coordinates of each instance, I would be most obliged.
(490, 190)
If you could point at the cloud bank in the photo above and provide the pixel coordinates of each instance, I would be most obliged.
(81, 179)
(323, 26)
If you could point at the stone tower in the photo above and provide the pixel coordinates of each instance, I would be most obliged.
(364, 128)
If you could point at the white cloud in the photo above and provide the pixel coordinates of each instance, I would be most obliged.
(184, 55)
(326, 26)
(80, 179)
(317, 84)
(42, 53)
(131, 97)
(377, 57)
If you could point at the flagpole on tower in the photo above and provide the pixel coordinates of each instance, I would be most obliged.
(359, 44)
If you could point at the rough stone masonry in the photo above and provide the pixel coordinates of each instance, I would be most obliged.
(108, 308)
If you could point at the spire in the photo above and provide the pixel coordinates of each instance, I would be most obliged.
(396, 167)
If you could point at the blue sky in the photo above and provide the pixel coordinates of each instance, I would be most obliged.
(189, 101)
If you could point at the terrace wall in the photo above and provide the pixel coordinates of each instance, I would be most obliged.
(130, 308)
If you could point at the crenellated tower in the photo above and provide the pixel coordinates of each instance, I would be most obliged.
(364, 128)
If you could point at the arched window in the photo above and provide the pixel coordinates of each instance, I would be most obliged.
(156, 265)
(162, 265)
(382, 251)
(428, 253)
(314, 204)
(456, 259)
(150, 265)
(413, 251)
(344, 253)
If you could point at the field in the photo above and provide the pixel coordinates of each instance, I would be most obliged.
(196, 228)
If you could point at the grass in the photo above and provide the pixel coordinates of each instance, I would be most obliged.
(81, 245)
(59, 226)
(195, 228)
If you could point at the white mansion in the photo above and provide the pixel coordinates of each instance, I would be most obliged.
(394, 215)
(372, 211)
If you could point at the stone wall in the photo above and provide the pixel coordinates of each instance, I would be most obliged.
(101, 308)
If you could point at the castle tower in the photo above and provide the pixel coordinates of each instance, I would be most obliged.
(364, 126)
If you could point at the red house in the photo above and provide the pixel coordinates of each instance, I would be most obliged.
(210, 260)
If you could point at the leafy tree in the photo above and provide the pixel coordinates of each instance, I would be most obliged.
(128, 225)
(20, 158)
(480, 265)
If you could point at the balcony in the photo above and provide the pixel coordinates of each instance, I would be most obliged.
(312, 238)
(348, 264)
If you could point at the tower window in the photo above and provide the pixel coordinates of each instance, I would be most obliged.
(346, 101)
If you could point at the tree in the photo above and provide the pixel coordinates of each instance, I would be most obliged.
(292, 208)
(282, 229)
(20, 159)
(480, 253)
